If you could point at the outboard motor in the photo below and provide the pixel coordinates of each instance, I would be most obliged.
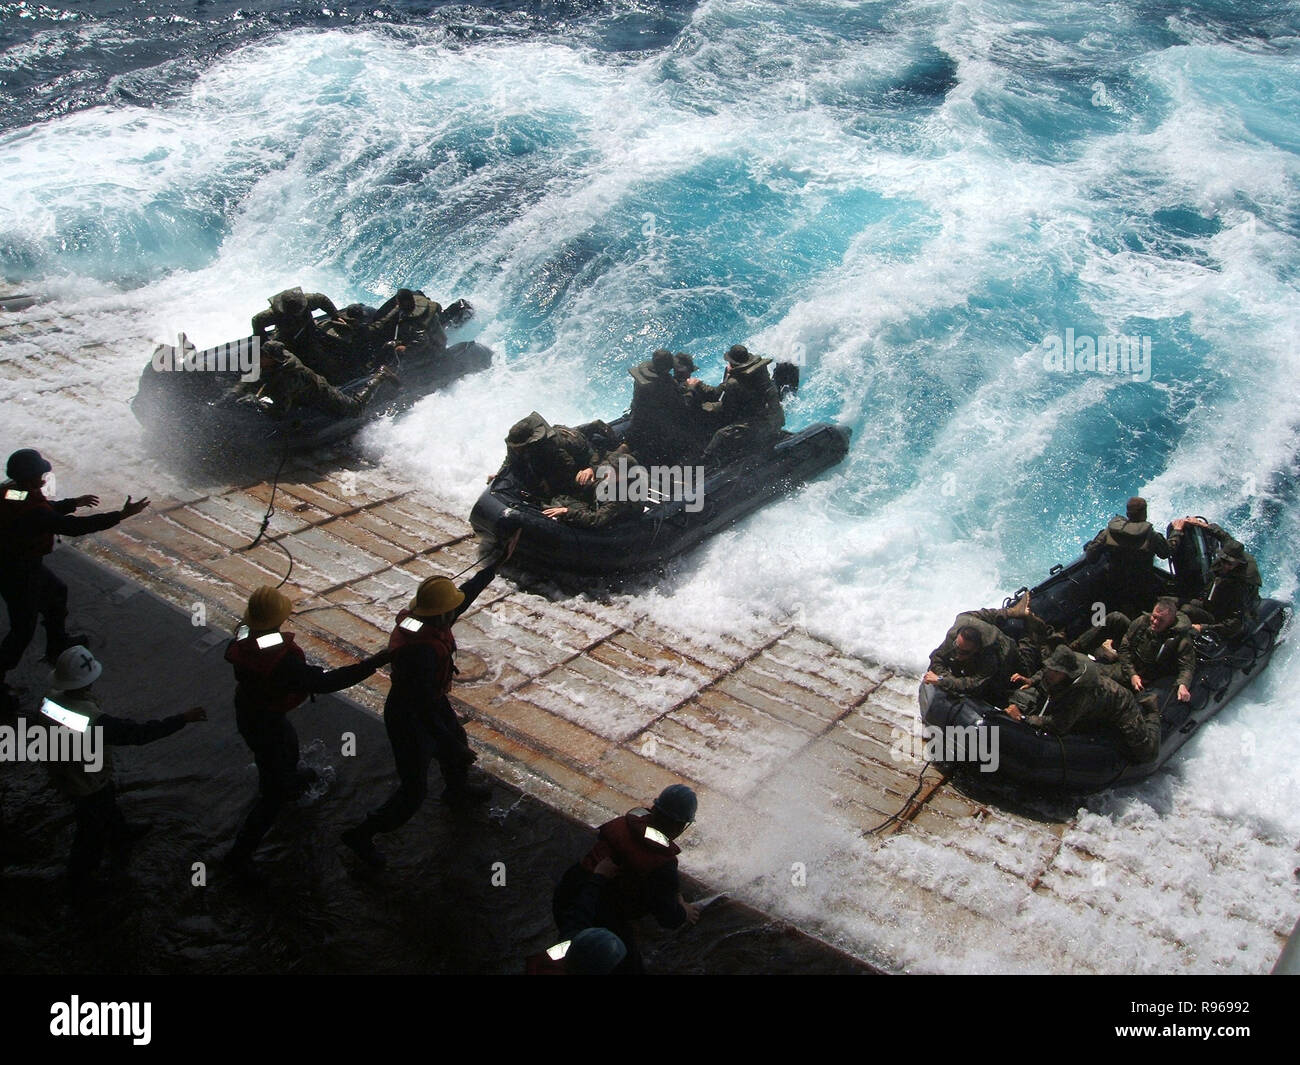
(457, 314)
(1191, 565)
(785, 375)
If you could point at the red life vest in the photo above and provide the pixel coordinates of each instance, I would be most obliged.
(254, 666)
(438, 637)
(542, 964)
(624, 840)
(26, 545)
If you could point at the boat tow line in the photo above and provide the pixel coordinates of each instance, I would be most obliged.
(913, 805)
(266, 520)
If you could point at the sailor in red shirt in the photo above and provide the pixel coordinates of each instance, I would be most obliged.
(418, 717)
(640, 845)
(272, 677)
(28, 525)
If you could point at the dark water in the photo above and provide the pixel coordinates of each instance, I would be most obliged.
(60, 58)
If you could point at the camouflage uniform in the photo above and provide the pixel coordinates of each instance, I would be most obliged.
(1132, 547)
(546, 459)
(1230, 599)
(749, 411)
(987, 674)
(586, 511)
(291, 384)
(291, 315)
(420, 332)
(1154, 656)
(1034, 638)
(660, 428)
(1091, 703)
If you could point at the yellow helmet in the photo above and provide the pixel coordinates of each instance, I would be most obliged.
(435, 596)
(268, 608)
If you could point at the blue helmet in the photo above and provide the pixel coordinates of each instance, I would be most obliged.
(677, 803)
(26, 465)
(594, 952)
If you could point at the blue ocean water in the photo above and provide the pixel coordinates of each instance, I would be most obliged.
(911, 198)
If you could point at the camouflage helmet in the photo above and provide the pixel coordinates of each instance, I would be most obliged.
(291, 301)
(1063, 660)
(527, 431)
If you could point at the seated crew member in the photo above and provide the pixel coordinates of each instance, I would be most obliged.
(684, 374)
(349, 330)
(748, 416)
(1131, 546)
(659, 429)
(295, 327)
(409, 324)
(606, 501)
(1230, 599)
(90, 787)
(289, 385)
(1034, 638)
(547, 460)
(641, 846)
(698, 426)
(1072, 697)
(976, 659)
(1156, 647)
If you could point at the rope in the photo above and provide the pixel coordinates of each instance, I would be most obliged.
(266, 519)
(920, 783)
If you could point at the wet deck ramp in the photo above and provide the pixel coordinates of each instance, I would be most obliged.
(797, 748)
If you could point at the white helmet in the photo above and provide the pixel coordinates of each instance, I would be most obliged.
(76, 668)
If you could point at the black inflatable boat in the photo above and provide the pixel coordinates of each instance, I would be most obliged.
(192, 407)
(665, 528)
(1079, 764)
